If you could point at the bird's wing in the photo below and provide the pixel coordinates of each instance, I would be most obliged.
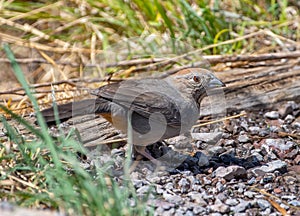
(135, 95)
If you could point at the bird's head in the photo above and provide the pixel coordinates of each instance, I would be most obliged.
(197, 81)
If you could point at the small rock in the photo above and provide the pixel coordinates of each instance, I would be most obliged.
(206, 181)
(297, 160)
(241, 207)
(221, 196)
(169, 185)
(274, 128)
(171, 211)
(197, 198)
(289, 119)
(289, 180)
(252, 181)
(229, 142)
(179, 212)
(215, 214)
(263, 204)
(203, 159)
(137, 183)
(258, 156)
(162, 204)
(272, 115)
(271, 167)
(279, 144)
(155, 179)
(143, 190)
(296, 123)
(184, 185)
(172, 198)
(232, 202)
(220, 187)
(198, 209)
(295, 203)
(249, 194)
(180, 142)
(243, 138)
(288, 197)
(285, 109)
(189, 213)
(117, 151)
(221, 208)
(210, 138)
(215, 150)
(244, 125)
(230, 172)
(159, 189)
(263, 133)
(254, 130)
(277, 190)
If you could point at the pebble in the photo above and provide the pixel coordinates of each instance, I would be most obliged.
(159, 189)
(286, 109)
(272, 115)
(289, 119)
(263, 204)
(217, 180)
(243, 138)
(220, 187)
(244, 125)
(188, 213)
(288, 197)
(176, 199)
(230, 172)
(210, 138)
(279, 144)
(198, 209)
(254, 130)
(143, 190)
(197, 198)
(296, 124)
(232, 202)
(184, 185)
(215, 150)
(295, 203)
(252, 181)
(297, 159)
(203, 159)
(258, 156)
(220, 207)
(249, 194)
(229, 142)
(241, 207)
(270, 167)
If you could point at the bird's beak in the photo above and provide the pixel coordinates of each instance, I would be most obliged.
(215, 82)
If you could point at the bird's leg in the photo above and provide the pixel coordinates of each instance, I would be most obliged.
(142, 150)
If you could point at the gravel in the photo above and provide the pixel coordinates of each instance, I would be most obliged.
(236, 170)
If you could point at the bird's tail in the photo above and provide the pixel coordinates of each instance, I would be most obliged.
(69, 110)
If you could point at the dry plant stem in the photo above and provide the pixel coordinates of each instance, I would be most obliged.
(220, 120)
(262, 191)
(20, 42)
(277, 206)
(212, 59)
(51, 61)
(38, 10)
(28, 28)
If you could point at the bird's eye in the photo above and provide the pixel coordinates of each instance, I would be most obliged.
(196, 79)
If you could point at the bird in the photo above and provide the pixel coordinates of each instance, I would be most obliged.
(159, 108)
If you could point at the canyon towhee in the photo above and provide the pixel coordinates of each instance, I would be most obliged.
(159, 108)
